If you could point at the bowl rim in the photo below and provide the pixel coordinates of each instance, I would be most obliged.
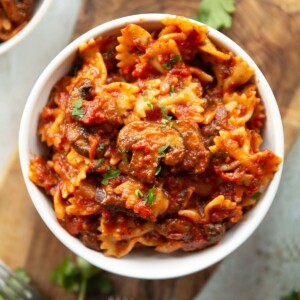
(188, 262)
(38, 14)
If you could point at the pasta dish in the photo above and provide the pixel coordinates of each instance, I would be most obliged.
(153, 140)
(14, 16)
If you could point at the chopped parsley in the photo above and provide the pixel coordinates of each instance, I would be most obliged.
(77, 111)
(100, 146)
(110, 174)
(172, 90)
(163, 148)
(123, 151)
(163, 109)
(161, 151)
(150, 197)
(157, 170)
(138, 193)
(256, 195)
(169, 64)
(292, 296)
(98, 163)
(148, 100)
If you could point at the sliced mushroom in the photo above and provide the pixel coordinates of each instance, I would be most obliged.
(196, 156)
(149, 144)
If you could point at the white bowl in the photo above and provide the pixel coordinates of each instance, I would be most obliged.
(145, 264)
(40, 8)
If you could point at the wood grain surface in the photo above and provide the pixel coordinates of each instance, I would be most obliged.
(267, 29)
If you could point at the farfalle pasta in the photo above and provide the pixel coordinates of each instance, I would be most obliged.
(154, 141)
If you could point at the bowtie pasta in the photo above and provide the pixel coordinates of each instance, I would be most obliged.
(154, 141)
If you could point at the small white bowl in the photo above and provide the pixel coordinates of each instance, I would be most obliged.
(41, 6)
(145, 264)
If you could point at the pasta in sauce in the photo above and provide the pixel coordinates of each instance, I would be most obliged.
(154, 141)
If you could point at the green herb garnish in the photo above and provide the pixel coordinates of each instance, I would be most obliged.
(292, 296)
(100, 146)
(148, 100)
(256, 195)
(157, 170)
(161, 151)
(172, 90)
(150, 197)
(138, 193)
(81, 277)
(169, 64)
(150, 105)
(163, 148)
(98, 163)
(216, 13)
(110, 174)
(163, 109)
(77, 111)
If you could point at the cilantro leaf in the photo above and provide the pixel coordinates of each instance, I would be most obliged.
(164, 112)
(216, 13)
(98, 163)
(81, 277)
(163, 148)
(256, 195)
(67, 275)
(169, 64)
(77, 111)
(157, 170)
(138, 193)
(172, 91)
(150, 197)
(111, 173)
(292, 296)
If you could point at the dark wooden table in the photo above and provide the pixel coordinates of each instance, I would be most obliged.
(267, 29)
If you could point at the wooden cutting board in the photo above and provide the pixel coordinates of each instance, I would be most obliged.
(268, 30)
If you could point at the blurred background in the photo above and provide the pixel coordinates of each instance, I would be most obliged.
(269, 31)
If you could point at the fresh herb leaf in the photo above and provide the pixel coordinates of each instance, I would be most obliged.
(77, 111)
(150, 105)
(81, 277)
(67, 275)
(163, 148)
(216, 13)
(171, 124)
(100, 146)
(169, 64)
(148, 100)
(172, 90)
(98, 163)
(157, 170)
(150, 197)
(163, 109)
(100, 283)
(138, 193)
(256, 195)
(292, 296)
(110, 174)
(123, 151)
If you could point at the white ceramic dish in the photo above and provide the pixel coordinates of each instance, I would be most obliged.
(145, 264)
(40, 9)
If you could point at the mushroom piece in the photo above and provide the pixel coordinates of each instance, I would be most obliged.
(196, 156)
(150, 143)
